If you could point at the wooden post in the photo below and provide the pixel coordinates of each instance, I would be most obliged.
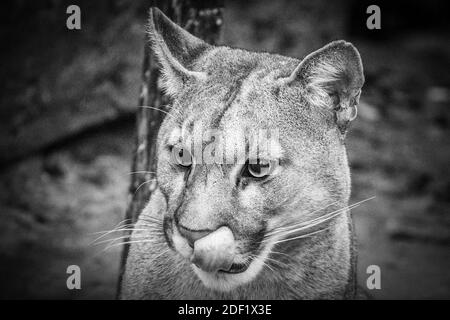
(203, 19)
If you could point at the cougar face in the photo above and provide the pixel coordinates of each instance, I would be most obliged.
(220, 198)
(251, 156)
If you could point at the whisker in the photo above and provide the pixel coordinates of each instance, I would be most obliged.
(302, 236)
(150, 219)
(265, 263)
(119, 230)
(137, 172)
(145, 235)
(150, 225)
(304, 228)
(162, 253)
(311, 223)
(157, 109)
(127, 242)
(280, 253)
(315, 211)
(307, 224)
(314, 222)
(118, 238)
(339, 211)
(277, 262)
(105, 233)
(257, 258)
(142, 184)
(122, 223)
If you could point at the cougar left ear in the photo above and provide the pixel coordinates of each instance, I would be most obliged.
(333, 77)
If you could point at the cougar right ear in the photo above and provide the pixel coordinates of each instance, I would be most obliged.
(176, 50)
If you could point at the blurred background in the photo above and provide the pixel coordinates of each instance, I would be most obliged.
(67, 126)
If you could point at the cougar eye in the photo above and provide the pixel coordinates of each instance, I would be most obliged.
(181, 157)
(260, 169)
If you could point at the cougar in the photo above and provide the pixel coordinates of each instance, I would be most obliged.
(272, 223)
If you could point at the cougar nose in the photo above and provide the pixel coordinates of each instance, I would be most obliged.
(215, 251)
(192, 235)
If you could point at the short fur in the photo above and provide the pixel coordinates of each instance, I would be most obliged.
(310, 103)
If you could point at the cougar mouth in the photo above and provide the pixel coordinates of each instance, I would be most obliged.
(236, 268)
(219, 266)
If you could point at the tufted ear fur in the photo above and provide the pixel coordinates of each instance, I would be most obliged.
(333, 77)
(176, 50)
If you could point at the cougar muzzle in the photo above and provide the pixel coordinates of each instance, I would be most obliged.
(213, 251)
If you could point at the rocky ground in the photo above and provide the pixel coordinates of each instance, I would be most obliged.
(53, 202)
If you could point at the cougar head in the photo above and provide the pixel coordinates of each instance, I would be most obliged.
(251, 155)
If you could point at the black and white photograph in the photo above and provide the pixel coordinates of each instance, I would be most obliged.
(225, 150)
